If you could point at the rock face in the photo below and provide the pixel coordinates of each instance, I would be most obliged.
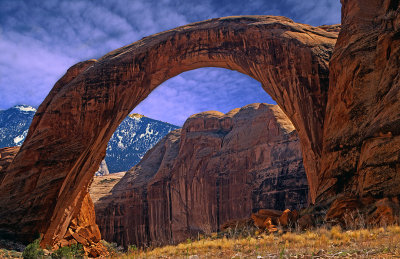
(102, 185)
(219, 167)
(7, 155)
(361, 145)
(44, 187)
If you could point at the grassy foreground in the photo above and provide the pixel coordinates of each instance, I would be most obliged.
(319, 243)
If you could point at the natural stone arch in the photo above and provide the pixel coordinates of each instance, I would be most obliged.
(43, 189)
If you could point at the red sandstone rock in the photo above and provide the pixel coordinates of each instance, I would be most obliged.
(352, 125)
(217, 168)
(45, 185)
(7, 155)
(361, 154)
(288, 218)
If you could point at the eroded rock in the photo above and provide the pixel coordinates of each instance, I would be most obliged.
(217, 168)
(43, 189)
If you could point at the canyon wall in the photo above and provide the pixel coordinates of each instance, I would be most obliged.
(361, 144)
(218, 167)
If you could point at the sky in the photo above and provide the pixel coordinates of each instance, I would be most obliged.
(41, 39)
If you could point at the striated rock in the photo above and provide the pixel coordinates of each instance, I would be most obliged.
(354, 212)
(218, 168)
(46, 183)
(102, 185)
(83, 229)
(348, 128)
(361, 154)
(7, 155)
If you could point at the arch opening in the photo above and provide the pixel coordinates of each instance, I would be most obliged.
(89, 102)
(212, 152)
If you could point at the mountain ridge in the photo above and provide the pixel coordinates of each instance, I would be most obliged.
(135, 135)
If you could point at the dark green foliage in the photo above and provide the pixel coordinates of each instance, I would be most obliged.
(73, 251)
(33, 250)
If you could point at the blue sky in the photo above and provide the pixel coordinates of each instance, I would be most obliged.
(41, 39)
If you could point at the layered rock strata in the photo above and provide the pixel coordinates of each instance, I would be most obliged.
(45, 185)
(218, 167)
(361, 145)
(348, 127)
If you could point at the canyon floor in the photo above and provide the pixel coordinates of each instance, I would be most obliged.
(383, 242)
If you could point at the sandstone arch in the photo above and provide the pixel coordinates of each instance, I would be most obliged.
(45, 186)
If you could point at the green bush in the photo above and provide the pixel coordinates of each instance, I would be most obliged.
(33, 250)
(73, 251)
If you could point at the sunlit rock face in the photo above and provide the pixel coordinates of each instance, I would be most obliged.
(218, 167)
(360, 165)
(43, 189)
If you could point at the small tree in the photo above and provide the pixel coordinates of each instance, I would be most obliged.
(33, 250)
(73, 251)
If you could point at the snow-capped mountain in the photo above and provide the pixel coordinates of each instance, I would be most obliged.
(134, 136)
(132, 139)
(14, 125)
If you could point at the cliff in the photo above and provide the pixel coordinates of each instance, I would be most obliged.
(218, 167)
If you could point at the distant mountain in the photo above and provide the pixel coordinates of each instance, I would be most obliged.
(14, 125)
(132, 139)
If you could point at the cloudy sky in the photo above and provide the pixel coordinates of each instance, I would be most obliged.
(41, 39)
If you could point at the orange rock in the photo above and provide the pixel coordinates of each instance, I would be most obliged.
(344, 134)
(267, 225)
(361, 155)
(255, 147)
(259, 220)
(45, 184)
(288, 218)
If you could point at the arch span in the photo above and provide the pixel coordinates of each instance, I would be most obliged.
(44, 188)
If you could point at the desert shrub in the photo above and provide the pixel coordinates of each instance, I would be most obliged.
(73, 251)
(33, 250)
(113, 248)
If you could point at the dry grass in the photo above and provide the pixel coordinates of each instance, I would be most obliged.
(319, 243)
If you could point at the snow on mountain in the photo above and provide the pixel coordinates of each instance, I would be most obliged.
(14, 125)
(132, 139)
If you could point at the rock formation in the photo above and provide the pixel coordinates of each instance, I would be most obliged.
(347, 121)
(7, 155)
(219, 167)
(43, 189)
(361, 145)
